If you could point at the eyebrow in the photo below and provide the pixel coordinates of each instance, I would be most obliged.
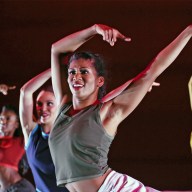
(80, 68)
(45, 101)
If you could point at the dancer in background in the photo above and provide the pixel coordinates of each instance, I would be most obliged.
(36, 133)
(85, 128)
(11, 152)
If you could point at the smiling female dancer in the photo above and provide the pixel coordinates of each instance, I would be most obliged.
(84, 129)
(36, 133)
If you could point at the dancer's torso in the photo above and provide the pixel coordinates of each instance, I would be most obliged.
(89, 185)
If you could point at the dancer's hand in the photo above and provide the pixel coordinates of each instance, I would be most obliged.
(5, 88)
(110, 34)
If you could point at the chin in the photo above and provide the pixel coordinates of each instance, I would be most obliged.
(47, 118)
(45, 121)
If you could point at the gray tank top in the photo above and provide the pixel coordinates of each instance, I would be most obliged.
(79, 145)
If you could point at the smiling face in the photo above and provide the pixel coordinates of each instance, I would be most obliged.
(46, 107)
(8, 122)
(83, 80)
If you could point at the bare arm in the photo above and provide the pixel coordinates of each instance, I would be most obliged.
(70, 44)
(125, 98)
(26, 101)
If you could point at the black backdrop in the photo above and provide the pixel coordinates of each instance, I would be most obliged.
(152, 144)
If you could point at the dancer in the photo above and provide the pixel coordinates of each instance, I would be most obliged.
(84, 129)
(11, 152)
(36, 133)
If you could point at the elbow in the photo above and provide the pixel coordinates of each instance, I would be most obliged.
(146, 75)
(24, 91)
(153, 70)
(143, 75)
(55, 54)
(54, 50)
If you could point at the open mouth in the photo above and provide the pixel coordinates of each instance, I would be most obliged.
(77, 86)
(44, 115)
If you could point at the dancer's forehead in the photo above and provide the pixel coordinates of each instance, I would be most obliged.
(45, 95)
(81, 63)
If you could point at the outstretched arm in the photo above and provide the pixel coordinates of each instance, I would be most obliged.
(5, 88)
(26, 101)
(125, 98)
(70, 44)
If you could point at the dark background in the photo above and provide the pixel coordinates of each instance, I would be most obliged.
(152, 144)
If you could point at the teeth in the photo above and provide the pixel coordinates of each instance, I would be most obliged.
(77, 85)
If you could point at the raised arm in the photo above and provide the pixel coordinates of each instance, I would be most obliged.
(125, 98)
(70, 44)
(26, 101)
(5, 88)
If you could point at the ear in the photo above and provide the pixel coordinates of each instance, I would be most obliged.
(101, 81)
